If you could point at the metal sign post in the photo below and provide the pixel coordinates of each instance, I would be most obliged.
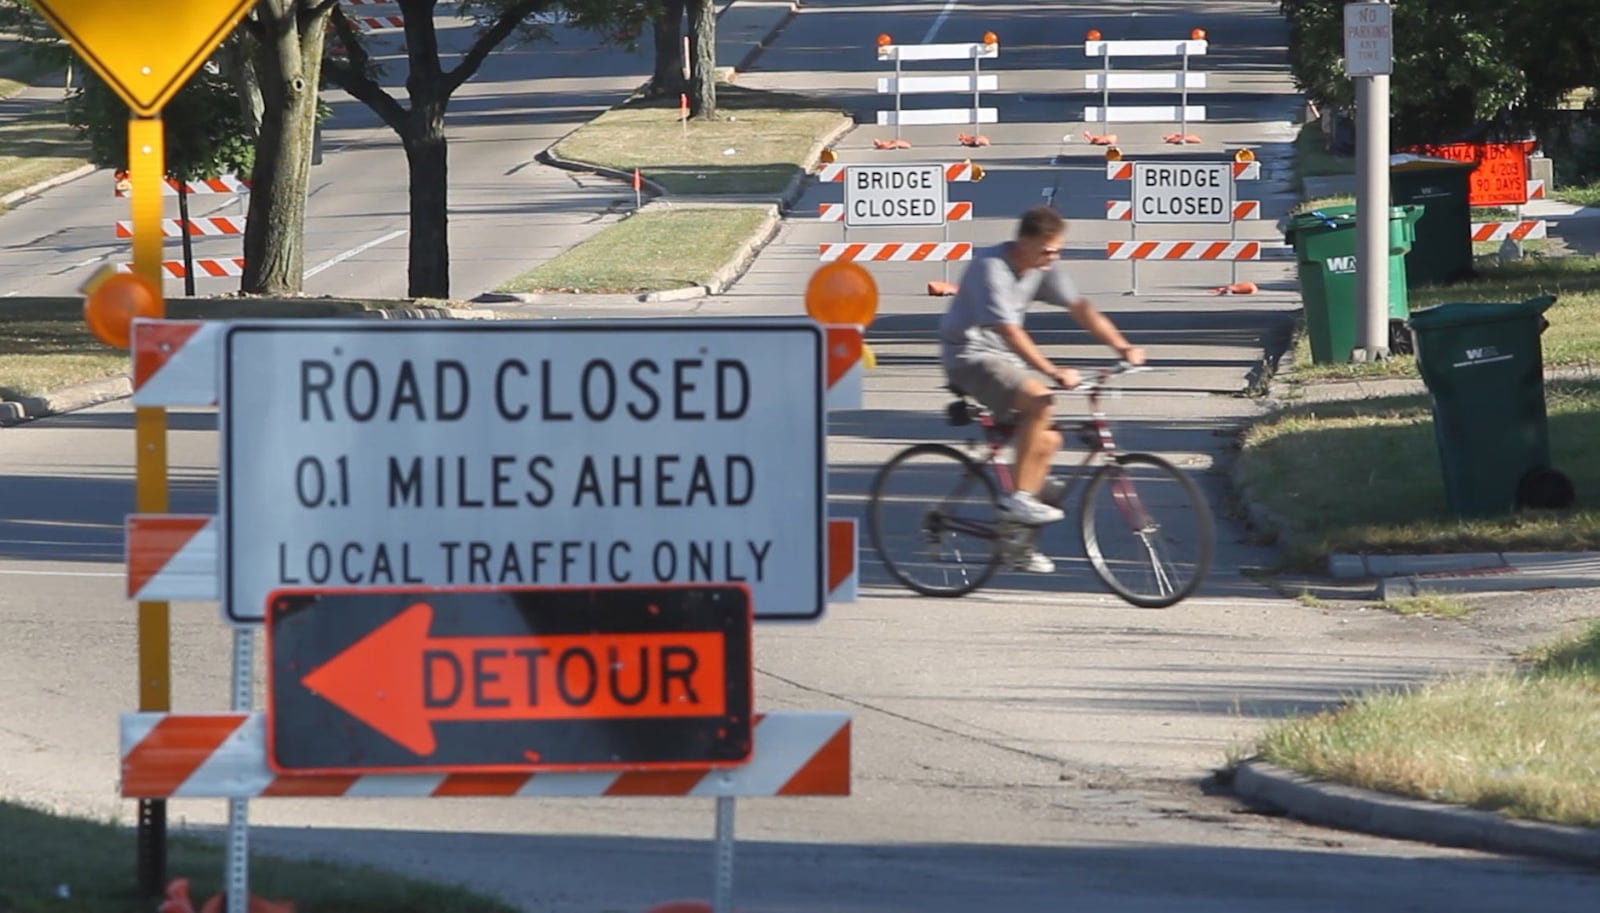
(1369, 59)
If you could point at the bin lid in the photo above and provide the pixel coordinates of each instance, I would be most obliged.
(1343, 216)
(1467, 313)
(1410, 161)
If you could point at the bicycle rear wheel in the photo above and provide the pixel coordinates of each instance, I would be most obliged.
(1147, 530)
(931, 517)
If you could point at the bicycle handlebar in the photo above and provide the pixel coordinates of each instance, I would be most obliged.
(1101, 379)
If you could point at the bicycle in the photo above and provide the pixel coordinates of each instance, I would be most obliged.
(1140, 486)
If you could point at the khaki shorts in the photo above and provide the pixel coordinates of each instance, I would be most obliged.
(991, 380)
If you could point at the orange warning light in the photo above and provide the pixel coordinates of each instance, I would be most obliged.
(1244, 155)
(111, 302)
(977, 172)
(991, 38)
(829, 156)
(842, 292)
(884, 40)
(1113, 154)
(1198, 34)
(1094, 35)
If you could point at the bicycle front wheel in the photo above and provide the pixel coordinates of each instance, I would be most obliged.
(931, 517)
(1147, 530)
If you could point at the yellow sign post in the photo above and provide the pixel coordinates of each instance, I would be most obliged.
(146, 52)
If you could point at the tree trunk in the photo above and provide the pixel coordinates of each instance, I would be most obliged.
(289, 66)
(703, 78)
(668, 31)
(427, 159)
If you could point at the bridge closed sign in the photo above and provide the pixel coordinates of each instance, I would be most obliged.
(474, 454)
(894, 195)
(1182, 192)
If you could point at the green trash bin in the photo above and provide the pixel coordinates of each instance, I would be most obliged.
(1325, 250)
(1484, 367)
(1442, 250)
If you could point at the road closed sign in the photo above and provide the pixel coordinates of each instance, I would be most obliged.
(467, 453)
(1182, 192)
(894, 195)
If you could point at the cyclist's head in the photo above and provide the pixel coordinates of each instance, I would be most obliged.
(1040, 234)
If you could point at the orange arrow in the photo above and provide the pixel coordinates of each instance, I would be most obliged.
(401, 681)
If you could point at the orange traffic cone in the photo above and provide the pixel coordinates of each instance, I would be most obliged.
(1238, 288)
(941, 289)
(1106, 139)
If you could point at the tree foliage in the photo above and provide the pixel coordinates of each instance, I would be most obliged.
(1463, 69)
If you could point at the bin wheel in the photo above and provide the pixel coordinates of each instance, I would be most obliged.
(1400, 342)
(1543, 488)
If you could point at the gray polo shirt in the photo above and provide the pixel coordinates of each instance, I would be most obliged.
(991, 293)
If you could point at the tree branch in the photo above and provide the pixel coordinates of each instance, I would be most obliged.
(490, 39)
(353, 78)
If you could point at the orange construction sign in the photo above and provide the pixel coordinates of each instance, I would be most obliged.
(482, 679)
(1501, 178)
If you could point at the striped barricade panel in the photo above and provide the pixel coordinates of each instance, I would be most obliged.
(894, 251)
(952, 51)
(1243, 211)
(172, 558)
(227, 266)
(1536, 189)
(845, 371)
(175, 362)
(843, 547)
(955, 172)
(377, 22)
(230, 186)
(1528, 229)
(224, 755)
(1242, 171)
(198, 227)
(953, 212)
(1148, 47)
(1183, 250)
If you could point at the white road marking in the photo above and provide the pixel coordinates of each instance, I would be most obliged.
(352, 252)
(933, 30)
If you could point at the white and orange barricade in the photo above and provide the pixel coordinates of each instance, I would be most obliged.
(1173, 192)
(902, 196)
(971, 85)
(195, 226)
(1181, 81)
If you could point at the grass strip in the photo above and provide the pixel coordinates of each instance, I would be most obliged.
(659, 248)
(1525, 743)
(38, 147)
(46, 346)
(1364, 476)
(1573, 339)
(56, 864)
(1312, 158)
(759, 143)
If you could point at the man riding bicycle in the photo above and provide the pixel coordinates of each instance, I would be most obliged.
(986, 353)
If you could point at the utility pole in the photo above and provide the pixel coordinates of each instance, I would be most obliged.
(1369, 59)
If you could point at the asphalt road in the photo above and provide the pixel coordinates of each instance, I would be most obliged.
(1034, 747)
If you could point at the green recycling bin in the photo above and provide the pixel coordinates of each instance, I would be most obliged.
(1325, 250)
(1442, 249)
(1484, 367)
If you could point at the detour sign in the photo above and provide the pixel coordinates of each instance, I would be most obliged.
(486, 680)
(1501, 177)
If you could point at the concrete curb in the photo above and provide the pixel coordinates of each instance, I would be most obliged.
(105, 390)
(67, 399)
(1350, 808)
(34, 190)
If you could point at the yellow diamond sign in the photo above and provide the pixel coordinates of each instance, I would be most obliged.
(144, 49)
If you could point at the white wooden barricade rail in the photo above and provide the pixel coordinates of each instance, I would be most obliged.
(900, 85)
(1181, 80)
(1230, 249)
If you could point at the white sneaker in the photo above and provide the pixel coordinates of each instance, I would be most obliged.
(1023, 507)
(1035, 562)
